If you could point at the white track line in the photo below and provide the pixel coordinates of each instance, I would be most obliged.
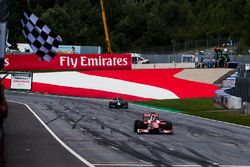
(187, 165)
(124, 164)
(55, 136)
(191, 165)
(218, 165)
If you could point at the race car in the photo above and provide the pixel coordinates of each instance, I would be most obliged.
(118, 103)
(151, 123)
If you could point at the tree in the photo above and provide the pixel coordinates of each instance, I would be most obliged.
(58, 20)
(130, 26)
(141, 23)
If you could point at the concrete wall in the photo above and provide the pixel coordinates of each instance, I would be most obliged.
(163, 65)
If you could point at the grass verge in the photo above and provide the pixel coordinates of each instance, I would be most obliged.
(202, 107)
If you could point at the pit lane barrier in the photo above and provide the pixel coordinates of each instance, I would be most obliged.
(163, 66)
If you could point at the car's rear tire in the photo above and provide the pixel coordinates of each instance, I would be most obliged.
(137, 124)
(111, 105)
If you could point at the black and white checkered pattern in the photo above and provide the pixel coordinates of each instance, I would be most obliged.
(42, 40)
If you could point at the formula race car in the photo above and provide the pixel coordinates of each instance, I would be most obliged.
(118, 103)
(152, 124)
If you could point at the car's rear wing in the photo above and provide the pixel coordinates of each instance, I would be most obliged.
(147, 115)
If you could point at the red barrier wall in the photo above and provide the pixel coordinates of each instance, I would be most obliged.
(31, 62)
(84, 86)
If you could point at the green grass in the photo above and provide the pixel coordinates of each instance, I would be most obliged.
(202, 104)
(202, 107)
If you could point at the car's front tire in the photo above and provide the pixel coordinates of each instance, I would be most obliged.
(169, 125)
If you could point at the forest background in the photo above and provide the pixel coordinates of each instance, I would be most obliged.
(135, 24)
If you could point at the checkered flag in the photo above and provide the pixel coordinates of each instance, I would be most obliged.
(41, 38)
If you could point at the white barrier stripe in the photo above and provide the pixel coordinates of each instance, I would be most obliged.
(80, 80)
(55, 136)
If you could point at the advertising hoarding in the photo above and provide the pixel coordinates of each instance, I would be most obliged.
(29, 62)
(67, 49)
(21, 80)
(74, 49)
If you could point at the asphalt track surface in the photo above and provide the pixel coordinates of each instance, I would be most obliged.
(100, 136)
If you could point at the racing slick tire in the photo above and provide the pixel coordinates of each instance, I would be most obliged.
(111, 105)
(169, 126)
(137, 124)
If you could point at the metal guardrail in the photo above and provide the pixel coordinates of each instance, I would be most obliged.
(187, 46)
(239, 95)
(163, 65)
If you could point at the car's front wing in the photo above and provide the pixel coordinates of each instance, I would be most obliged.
(160, 131)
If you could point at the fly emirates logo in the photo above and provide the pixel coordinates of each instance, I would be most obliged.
(99, 61)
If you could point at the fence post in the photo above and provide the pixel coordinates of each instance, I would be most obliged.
(3, 27)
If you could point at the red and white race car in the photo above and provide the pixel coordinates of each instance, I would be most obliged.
(152, 124)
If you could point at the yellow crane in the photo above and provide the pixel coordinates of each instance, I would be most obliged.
(105, 27)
